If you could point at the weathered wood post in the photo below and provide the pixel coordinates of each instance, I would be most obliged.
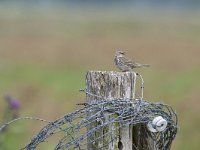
(111, 85)
(114, 85)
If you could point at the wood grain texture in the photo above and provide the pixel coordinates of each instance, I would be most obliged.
(110, 85)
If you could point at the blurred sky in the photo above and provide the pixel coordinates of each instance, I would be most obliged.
(164, 3)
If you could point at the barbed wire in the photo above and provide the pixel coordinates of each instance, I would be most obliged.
(80, 128)
(22, 118)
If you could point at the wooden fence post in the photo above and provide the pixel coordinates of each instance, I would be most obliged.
(114, 85)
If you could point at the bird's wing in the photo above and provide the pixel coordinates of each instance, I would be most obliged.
(127, 61)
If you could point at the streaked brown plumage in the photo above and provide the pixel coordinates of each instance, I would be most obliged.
(125, 64)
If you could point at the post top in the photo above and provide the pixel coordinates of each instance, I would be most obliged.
(111, 84)
(110, 72)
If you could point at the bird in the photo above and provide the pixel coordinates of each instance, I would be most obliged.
(125, 64)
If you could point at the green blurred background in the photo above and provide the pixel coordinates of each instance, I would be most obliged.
(46, 48)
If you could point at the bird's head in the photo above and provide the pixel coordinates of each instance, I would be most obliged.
(120, 52)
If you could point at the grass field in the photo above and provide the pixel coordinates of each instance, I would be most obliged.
(44, 57)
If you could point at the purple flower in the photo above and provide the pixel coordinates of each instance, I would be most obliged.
(12, 102)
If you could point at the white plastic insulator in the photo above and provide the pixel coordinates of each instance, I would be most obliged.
(151, 128)
(157, 125)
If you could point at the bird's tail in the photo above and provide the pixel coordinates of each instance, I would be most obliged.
(145, 65)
